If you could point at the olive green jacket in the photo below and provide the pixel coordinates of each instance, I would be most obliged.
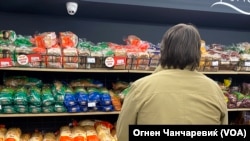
(172, 96)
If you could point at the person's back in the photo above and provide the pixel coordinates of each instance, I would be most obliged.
(175, 93)
(174, 96)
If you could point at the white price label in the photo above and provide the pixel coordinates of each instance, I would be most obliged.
(33, 59)
(5, 64)
(91, 104)
(247, 64)
(215, 63)
(120, 62)
(90, 60)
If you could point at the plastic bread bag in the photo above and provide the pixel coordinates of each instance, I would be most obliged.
(86, 122)
(47, 96)
(13, 134)
(54, 57)
(25, 137)
(65, 134)
(23, 41)
(34, 96)
(15, 81)
(105, 98)
(105, 108)
(9, 35)
(106, 50)
(83, 47)
(6, 96)
(68, 39)
(70, 58)
(94, 95)
(83, 82)
(36, 136)
(8, 109)
(58, 90)
(48, 109)
(34, 109)
(103, 129)
(119, 86)
(96, 59)
(91, 133)
(21, 108)
(79, 133)
(3, 131)
(73, 109)
(49, 136)
(70, 98)
(7, 53)
(45, 40)
(82, 96)
(59, 108)
(116, 101)
(20, 96)
(32, 81)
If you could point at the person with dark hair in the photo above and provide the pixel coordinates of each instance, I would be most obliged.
(175, 93)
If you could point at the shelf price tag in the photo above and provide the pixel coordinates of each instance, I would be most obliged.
(34, 57)
(119, 60)
(247, 63)
(91, 60)
(91, 104)
(5, 62)
(215, 63)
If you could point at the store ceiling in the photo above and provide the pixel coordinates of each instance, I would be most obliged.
(121, 12)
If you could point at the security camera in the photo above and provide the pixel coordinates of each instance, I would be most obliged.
(71, 7)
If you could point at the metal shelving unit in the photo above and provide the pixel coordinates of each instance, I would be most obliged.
(104, 70)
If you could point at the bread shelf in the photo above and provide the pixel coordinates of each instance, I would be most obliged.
(64, 70)
(238, 109)
(59, 114)
(86, 113)
(104, 70)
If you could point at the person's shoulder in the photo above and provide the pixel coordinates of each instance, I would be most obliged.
(211, 81)
(144, 80)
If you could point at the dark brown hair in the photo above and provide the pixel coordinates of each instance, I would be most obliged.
(180, 47)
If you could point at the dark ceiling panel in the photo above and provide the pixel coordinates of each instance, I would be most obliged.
(129, 13)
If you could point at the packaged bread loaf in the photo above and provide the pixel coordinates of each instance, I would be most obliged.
(25, 137)
(13, 134)
(36, 136)
(91, 133)
(70, 58)
(49, 136)
(65, 134)
(79, 133)
(86, 122)
(3, 131)
(116, 101)
(68, 39)
(103, 129)
(54, 57)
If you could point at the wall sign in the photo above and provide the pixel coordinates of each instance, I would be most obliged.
(233, 4)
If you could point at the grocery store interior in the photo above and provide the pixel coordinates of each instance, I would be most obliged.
(101, 23)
